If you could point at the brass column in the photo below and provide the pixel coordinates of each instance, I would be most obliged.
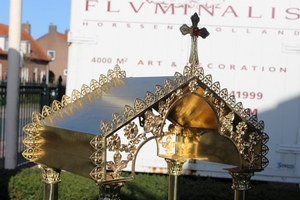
(110, 191)
(51, 178)
(240, 183)
(174, 169)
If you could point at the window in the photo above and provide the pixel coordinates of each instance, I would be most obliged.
(51, 54)
(43, 73)
(24, 74)
(34, 75)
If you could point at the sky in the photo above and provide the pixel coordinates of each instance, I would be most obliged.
(40, 14)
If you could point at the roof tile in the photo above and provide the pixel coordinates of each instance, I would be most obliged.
(36, 51)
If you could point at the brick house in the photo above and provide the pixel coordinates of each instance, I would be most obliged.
(56, 46)
(34, 64)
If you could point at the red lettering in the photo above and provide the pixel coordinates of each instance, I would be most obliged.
(244, 68)
(134, 9)
(229, 9)
(250, 13)
(205, 7)
(273, 13)
(109, 8)
(280, 32)
(158, 5)
(246, 95)
(253, 112)
(296, 15)
(282, 69)
(272, 69)
(221, 66)
(87, 4)
(185, 9)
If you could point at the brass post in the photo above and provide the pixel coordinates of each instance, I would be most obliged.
(51, 178)
(174, 169)
(110, 191)
(240, 183)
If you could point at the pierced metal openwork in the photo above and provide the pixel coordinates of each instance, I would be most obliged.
(98, 131)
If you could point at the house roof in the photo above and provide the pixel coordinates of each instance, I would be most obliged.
(36, 51)
(64, 36)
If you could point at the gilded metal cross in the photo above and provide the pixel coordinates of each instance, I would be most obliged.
(194, 31)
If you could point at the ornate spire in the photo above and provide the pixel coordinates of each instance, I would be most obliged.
(194, 31)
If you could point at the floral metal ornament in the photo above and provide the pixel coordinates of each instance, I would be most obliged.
(50, 175)
(188, 116)
(33, 142)
(235, 123)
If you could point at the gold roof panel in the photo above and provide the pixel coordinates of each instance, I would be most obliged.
(188, 115)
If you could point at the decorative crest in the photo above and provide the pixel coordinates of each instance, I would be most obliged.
(194, 31)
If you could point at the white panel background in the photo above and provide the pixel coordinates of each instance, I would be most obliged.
(149, 42)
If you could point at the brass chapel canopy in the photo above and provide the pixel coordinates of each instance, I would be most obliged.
(188, 115)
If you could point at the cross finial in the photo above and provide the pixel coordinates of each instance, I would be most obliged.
(194, 31)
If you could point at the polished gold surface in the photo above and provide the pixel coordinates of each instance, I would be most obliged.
(207, 117)
(50, 175)
(174, 170)
(206, 146)
(68, 150)
(240, 183)
(193, 111)
(99, 130)
(51, 178)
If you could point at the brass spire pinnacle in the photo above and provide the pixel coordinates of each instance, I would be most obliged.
(194, 31)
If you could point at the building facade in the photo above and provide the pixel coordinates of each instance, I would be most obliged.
(55, 44)
(34, 60)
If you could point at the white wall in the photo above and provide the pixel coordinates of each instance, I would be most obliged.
(253, 50)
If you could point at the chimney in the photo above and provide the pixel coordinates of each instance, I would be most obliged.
(26, 27)
(52, 28)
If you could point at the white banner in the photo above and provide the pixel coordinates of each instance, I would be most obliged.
(253, 50)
